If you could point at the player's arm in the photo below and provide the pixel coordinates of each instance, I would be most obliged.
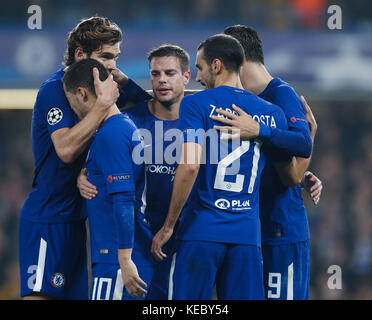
(184, 180)
(294, 142)
(294, 171)
(114, 157)
(71, 142)
(130, 92)
(87, 190)
(313, 186)
(187, 92)
(124, 221)
(288, 172)
(302, 164)
(287, 167)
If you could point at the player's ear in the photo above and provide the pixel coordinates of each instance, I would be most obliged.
(80, 54)
(82, 94)
(186, 77)
(216, 66)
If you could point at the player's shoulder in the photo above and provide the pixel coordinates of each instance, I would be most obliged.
(202, 97)
(118, 123)
(52, 87)
(202, 94)
(282, 88)
(192, 98)
(138, 110)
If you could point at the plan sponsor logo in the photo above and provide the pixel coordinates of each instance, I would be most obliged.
(236, 205)
(222, 204)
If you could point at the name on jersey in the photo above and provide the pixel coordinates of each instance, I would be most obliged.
(237, 205)
(262, 118)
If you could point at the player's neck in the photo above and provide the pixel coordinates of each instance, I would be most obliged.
(162, 112)
(112, 111)
(255, 77)
(228, 79)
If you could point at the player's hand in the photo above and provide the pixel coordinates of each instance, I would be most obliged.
(131, 280)
(159, 240)
(107, 91)
(313, 185)
(237, 126)
(87, 190)
(119, 77)
(313, 126)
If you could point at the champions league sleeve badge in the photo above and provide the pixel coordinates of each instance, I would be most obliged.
(54, 116)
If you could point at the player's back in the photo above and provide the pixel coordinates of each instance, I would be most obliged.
(125, 174)
(226, 201)
(54, 196)
(282, 212)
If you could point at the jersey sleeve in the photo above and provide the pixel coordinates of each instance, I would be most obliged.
(53, 107)
(131, 92)
(293, 109)
(192, 124)
(296, 139)
(114, 156)
(124, 218)
(279, 154)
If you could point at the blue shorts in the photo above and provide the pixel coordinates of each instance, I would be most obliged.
(160, 280)
(235, 269)
(53, 259)
(108, 282)
(287, 271)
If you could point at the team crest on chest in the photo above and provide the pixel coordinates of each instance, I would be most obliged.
(54, 116)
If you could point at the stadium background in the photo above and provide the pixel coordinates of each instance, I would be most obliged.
(331, 68)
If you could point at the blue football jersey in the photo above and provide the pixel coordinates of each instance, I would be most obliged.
(225, 205)
(112, 168)
(162, 144)
(282, 213)
(54, 196)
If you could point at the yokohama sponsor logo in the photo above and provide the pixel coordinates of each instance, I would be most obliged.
(162, 169)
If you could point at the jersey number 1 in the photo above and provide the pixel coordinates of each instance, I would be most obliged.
(237, 186)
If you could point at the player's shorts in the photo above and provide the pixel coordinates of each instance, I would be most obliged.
(198, 265)
(108, 282)
(160, 280)
(53, 259)
(287, 271)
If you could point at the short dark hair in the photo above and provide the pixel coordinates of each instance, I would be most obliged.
(80, 74)
(225, 48)
(250, 40)
(90, 35)
(171, 50)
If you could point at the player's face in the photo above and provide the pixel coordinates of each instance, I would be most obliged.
(204, 75)
(80, 101)
(168, 80)
(107, 55)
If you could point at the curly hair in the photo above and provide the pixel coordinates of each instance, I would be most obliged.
(90, 35)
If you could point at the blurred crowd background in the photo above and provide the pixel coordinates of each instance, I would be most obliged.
(331, 68)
